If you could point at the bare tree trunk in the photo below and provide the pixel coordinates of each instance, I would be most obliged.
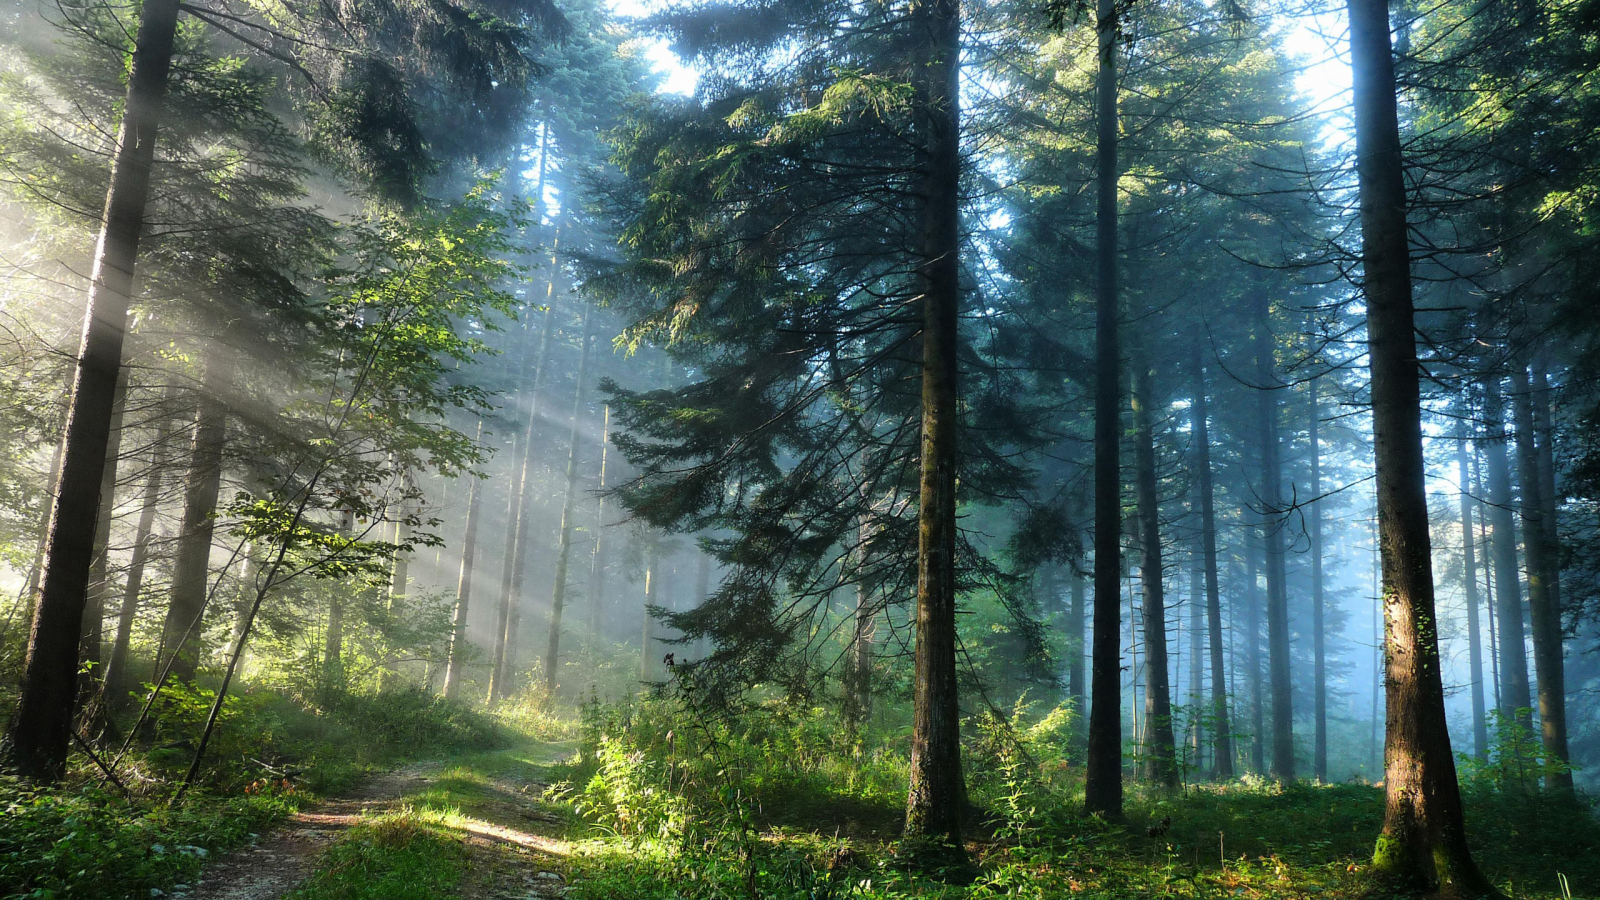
(1469, 578)
(936, 797)
(94, 608)
(1102, 792)
(1160, 746)
(1424, 838)
(399, 581)
(182, 633)
(1252, 653)
(1076, 620)
(597, 559)
(858, 687)
(1272, 534)
(39, 738)
(1197, 663)
(1547, 475)
(509, 619)
(1222, 748)
(1516, 695)
(116, 681)
(1548, 654)
(558, 594)
(1484, 541)
(1319, 645)
(652, 587)
(455, 668)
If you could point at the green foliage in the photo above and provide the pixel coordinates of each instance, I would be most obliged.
(91, 842)
(1516, 757)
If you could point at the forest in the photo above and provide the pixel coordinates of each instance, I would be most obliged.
(799, 449)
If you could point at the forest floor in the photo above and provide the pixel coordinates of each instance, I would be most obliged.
(473, 826)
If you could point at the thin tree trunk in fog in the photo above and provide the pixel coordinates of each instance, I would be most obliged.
(1076, 620)
(597, 558)
(1484, 540)
(116, 680)
(1319, 647)
(38, 741)
(1516, 694)
(1102, 791)
(182, 635)
(41, 547)
(333, 638)
(1548, 654)
(1223, 741)
(94, 608)
(1469, 578)
(1252, 653)
(1159, 744)
(558, 594)
(858, 686)
(1547, 476)
(1272, 534)
(1197, 666)
(454, 670)
(399, 579)
(516, 555)
(936, 795)
(652, 586)
(1424, 841)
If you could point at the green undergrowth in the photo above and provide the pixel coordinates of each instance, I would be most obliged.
(782, 806)
(273, 752)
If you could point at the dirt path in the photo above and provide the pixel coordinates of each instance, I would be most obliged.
(512, 852)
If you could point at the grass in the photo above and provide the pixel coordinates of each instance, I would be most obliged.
(408, 855)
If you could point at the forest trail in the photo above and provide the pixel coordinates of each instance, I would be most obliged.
(513, 842)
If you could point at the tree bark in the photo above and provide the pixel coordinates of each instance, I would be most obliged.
(116, 680)
(1469, 578)
(38, 741)
(1160, 747)
(1424, 833)
(1076, 675)
(1516, 696)
(182, 635)
(1319, 647)
(509, 619)
(1272, 535)
(936, 798)
(99, 580)
(1222, 742)
(1547, 475)
(558, 594)
(455, 668)
(1548, 653)
(597, 559)
(1102, 791)
(1252, 652)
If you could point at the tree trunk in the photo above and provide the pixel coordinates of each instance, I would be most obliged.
(99, 581)
(597, 559)
(1548, 654)
(38, 742)
(1252, 653)
(558, 594)
(456, 665)
(116, 681)
(1272, 535)
(936, 798)
(1469, 578)
(1516, 695)
(1424, 838)
(1484, 541)
(1547, 476)
(652, 586)
(399, 580)
(1319, 647)
(1222, 748)
(509, 619)
(1102, 792)
(1159, 744)
(182, 633)
(1076, 620)
(1197, 663)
